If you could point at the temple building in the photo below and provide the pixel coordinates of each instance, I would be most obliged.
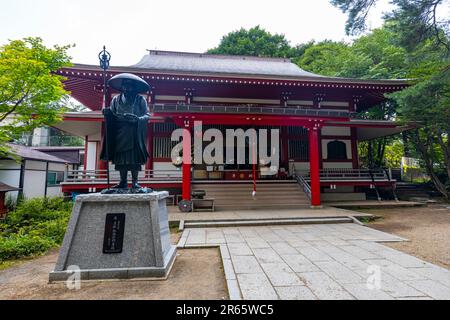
(316, 116)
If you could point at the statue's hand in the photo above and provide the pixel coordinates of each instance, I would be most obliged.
(144, 117)
(130, 117)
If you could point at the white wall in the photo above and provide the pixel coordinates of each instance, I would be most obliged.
(336, 131)
(34, 178)
(34, 183)
(57, 167)
(54, 191)
(91, 159)
(338, 165)
(10, 177)
(166, 166)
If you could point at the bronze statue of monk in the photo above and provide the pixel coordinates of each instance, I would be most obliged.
(126, 130)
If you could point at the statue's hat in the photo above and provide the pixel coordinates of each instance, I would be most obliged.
(140, 84)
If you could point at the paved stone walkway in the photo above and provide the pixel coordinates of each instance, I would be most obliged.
(326, 212)
(323, 261)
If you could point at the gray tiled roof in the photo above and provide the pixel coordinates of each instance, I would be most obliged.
(29, 153)
(6, 187)
(223, 64)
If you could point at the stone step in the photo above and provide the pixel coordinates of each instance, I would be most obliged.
(248, 197)
(263, 222)
(238, 196)
(261, 207)
(239, 188)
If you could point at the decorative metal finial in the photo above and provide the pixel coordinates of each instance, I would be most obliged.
(104, 58)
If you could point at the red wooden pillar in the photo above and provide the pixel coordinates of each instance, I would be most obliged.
(149, 164)
(186, 168)
(3, 208)
(314, 163)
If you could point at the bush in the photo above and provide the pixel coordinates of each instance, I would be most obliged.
(38, 209)
(52, 230)
(35, 226)
(19, 246)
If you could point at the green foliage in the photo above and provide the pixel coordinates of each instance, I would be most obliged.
(257, 42)
(32, 92)
(22, 245)
(373, 56)
(35, 226)
(357, 12)
(38, 210)
(394, 153)
(415, 21)
(325, 58)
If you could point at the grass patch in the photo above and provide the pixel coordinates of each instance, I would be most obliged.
(174, 226)
(369, 219)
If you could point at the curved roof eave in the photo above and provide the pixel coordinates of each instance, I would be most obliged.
(93, 68)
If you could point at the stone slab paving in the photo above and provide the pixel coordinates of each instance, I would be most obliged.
(322, 261)
(261, 214)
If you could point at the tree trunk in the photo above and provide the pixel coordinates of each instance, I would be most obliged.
(424, 150)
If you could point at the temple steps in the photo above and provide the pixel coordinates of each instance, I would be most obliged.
(238, 196)
(263, 222)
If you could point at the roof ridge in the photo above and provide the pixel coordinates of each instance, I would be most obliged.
(217, 56)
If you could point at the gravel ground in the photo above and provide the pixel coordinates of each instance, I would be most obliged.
(196, 274)
(427, 228)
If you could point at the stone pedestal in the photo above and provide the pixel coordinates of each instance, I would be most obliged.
(117, 237)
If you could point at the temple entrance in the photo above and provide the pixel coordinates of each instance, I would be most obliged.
(238, 159)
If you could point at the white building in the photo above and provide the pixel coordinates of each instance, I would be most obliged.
(37, 172)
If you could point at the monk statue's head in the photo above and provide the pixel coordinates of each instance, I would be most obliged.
(129, 88)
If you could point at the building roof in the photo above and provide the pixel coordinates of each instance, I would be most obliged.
(221, 64)
(29, 153)
(69, 154)
(167, 71)
(58, 148)
(5, 187)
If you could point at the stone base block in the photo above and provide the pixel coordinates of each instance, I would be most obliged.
(116, 236)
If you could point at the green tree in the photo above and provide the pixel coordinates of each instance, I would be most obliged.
(427, 102)
(394, 153)
(425, 41)
(30, 91)
(417, 20)
(257, 42)
(373, 56)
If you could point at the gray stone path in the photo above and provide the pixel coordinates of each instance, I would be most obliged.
(322, 261)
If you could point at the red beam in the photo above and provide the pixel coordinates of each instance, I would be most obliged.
(247, 119)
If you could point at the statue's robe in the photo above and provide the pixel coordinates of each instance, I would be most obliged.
(124, 141)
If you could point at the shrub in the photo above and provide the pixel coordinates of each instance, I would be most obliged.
(35, 226)
(38, 209)
(53, 230)
(18, 246)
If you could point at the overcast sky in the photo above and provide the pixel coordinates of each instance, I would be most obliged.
(130, 27)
